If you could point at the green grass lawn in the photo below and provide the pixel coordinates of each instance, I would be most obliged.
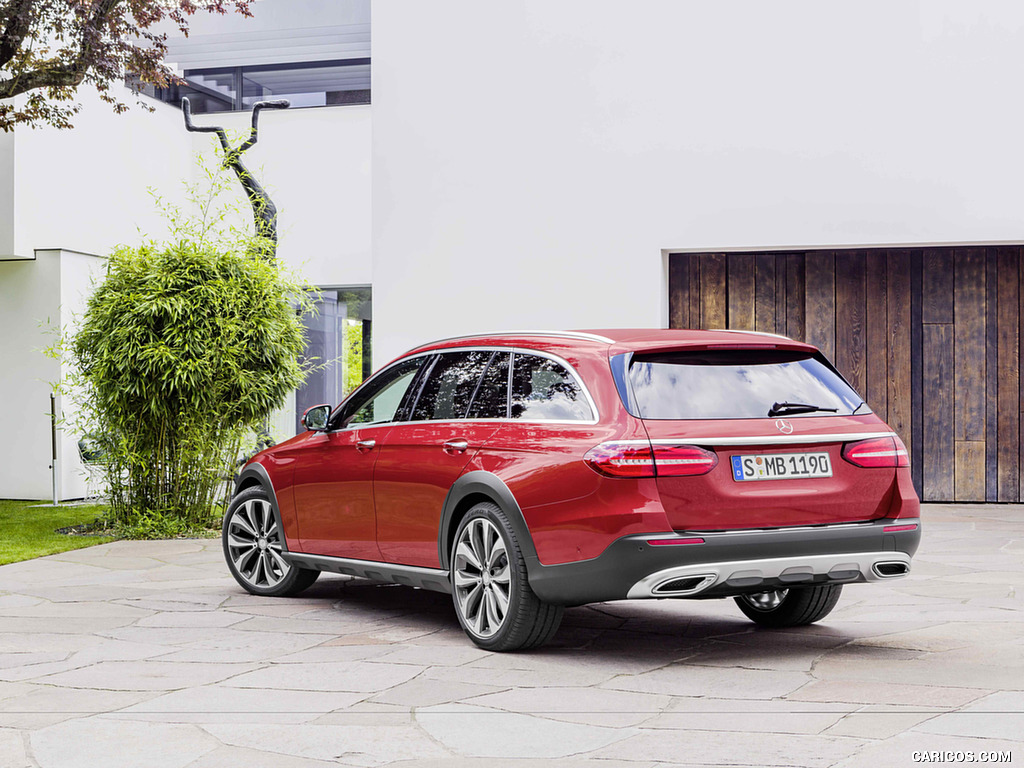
(28, 531)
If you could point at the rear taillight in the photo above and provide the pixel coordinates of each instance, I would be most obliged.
(877, 452)
(621, 459)
(676, 460)
(629, 459)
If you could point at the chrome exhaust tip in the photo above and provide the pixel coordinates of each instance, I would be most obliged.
(684, 585)
(890, 569)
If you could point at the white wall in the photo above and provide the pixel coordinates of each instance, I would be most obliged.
(79, 272)
(532, 161)
(37, 298)
(7, 195)
(315, 163)
(29, 303)
(86, 189)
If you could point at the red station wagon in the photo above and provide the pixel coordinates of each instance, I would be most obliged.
(525, 472)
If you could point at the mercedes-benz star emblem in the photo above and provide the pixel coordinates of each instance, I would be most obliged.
(784, 426)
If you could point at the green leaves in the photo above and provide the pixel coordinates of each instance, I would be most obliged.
(184, 348)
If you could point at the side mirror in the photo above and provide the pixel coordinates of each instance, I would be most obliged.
(315, 418)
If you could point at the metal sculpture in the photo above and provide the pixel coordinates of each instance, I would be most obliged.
(263, 209)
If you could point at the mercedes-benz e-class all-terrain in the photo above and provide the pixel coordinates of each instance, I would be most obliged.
(526, 472)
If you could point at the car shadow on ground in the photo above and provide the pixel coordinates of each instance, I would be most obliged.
(650, 630)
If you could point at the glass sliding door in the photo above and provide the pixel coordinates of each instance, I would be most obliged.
(337, 347)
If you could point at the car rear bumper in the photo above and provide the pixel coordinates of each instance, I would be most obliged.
(733, 562)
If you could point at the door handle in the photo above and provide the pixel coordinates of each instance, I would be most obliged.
(365, 445)
(455, 446)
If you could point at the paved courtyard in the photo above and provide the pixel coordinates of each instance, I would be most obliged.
(147, 654)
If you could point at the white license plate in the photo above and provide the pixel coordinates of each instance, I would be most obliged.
(781, 466)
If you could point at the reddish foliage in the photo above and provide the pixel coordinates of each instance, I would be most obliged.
(49, 47)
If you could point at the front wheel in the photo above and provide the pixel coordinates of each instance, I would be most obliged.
(253, 546)
(492, 594)
(791, 607)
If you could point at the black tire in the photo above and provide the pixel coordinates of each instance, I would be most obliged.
(252, 548)
(478, 593)
(792, 607)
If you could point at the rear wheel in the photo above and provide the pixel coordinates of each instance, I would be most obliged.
(492, 595)
(791, 607)
(253, 546)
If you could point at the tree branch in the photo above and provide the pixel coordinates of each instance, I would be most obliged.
(264, 211)
(49, 47)
(19, 15)
(58, 77)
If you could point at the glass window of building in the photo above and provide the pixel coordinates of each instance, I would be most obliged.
(337, 346)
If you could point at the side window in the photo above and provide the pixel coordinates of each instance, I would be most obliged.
(450, 386)
(380, 400)
(543, 390)
(491, 401)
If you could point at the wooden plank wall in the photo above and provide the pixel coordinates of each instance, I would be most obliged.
(930, 337)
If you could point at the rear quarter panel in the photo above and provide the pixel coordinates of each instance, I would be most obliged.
(573, 513)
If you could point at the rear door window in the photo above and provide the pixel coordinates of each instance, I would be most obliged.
(543, 390)
(736, 384)
(450, 386)
(491, 399)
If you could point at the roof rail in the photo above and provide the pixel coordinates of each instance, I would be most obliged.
(560, 334)
(754, 333)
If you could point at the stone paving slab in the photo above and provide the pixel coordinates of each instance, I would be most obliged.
(734, 748)
(878, 722)
(148, 654)
(13, 750)
(484, 732)
(240, 757)
(776, 716)
(221, 704)
(100, 742)
(361, 745)
(600, 707)
(46, 705)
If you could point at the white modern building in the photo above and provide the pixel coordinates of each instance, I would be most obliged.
(585, 163)
(68, 197)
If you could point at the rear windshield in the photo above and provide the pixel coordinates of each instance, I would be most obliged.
(736, 384)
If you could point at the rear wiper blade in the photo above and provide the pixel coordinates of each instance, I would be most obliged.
(779, 409)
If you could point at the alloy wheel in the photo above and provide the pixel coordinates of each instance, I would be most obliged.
(254, 544)
(482, 579)
(766, 601)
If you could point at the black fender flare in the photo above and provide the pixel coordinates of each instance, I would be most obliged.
(256, 471)
(492, 486)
